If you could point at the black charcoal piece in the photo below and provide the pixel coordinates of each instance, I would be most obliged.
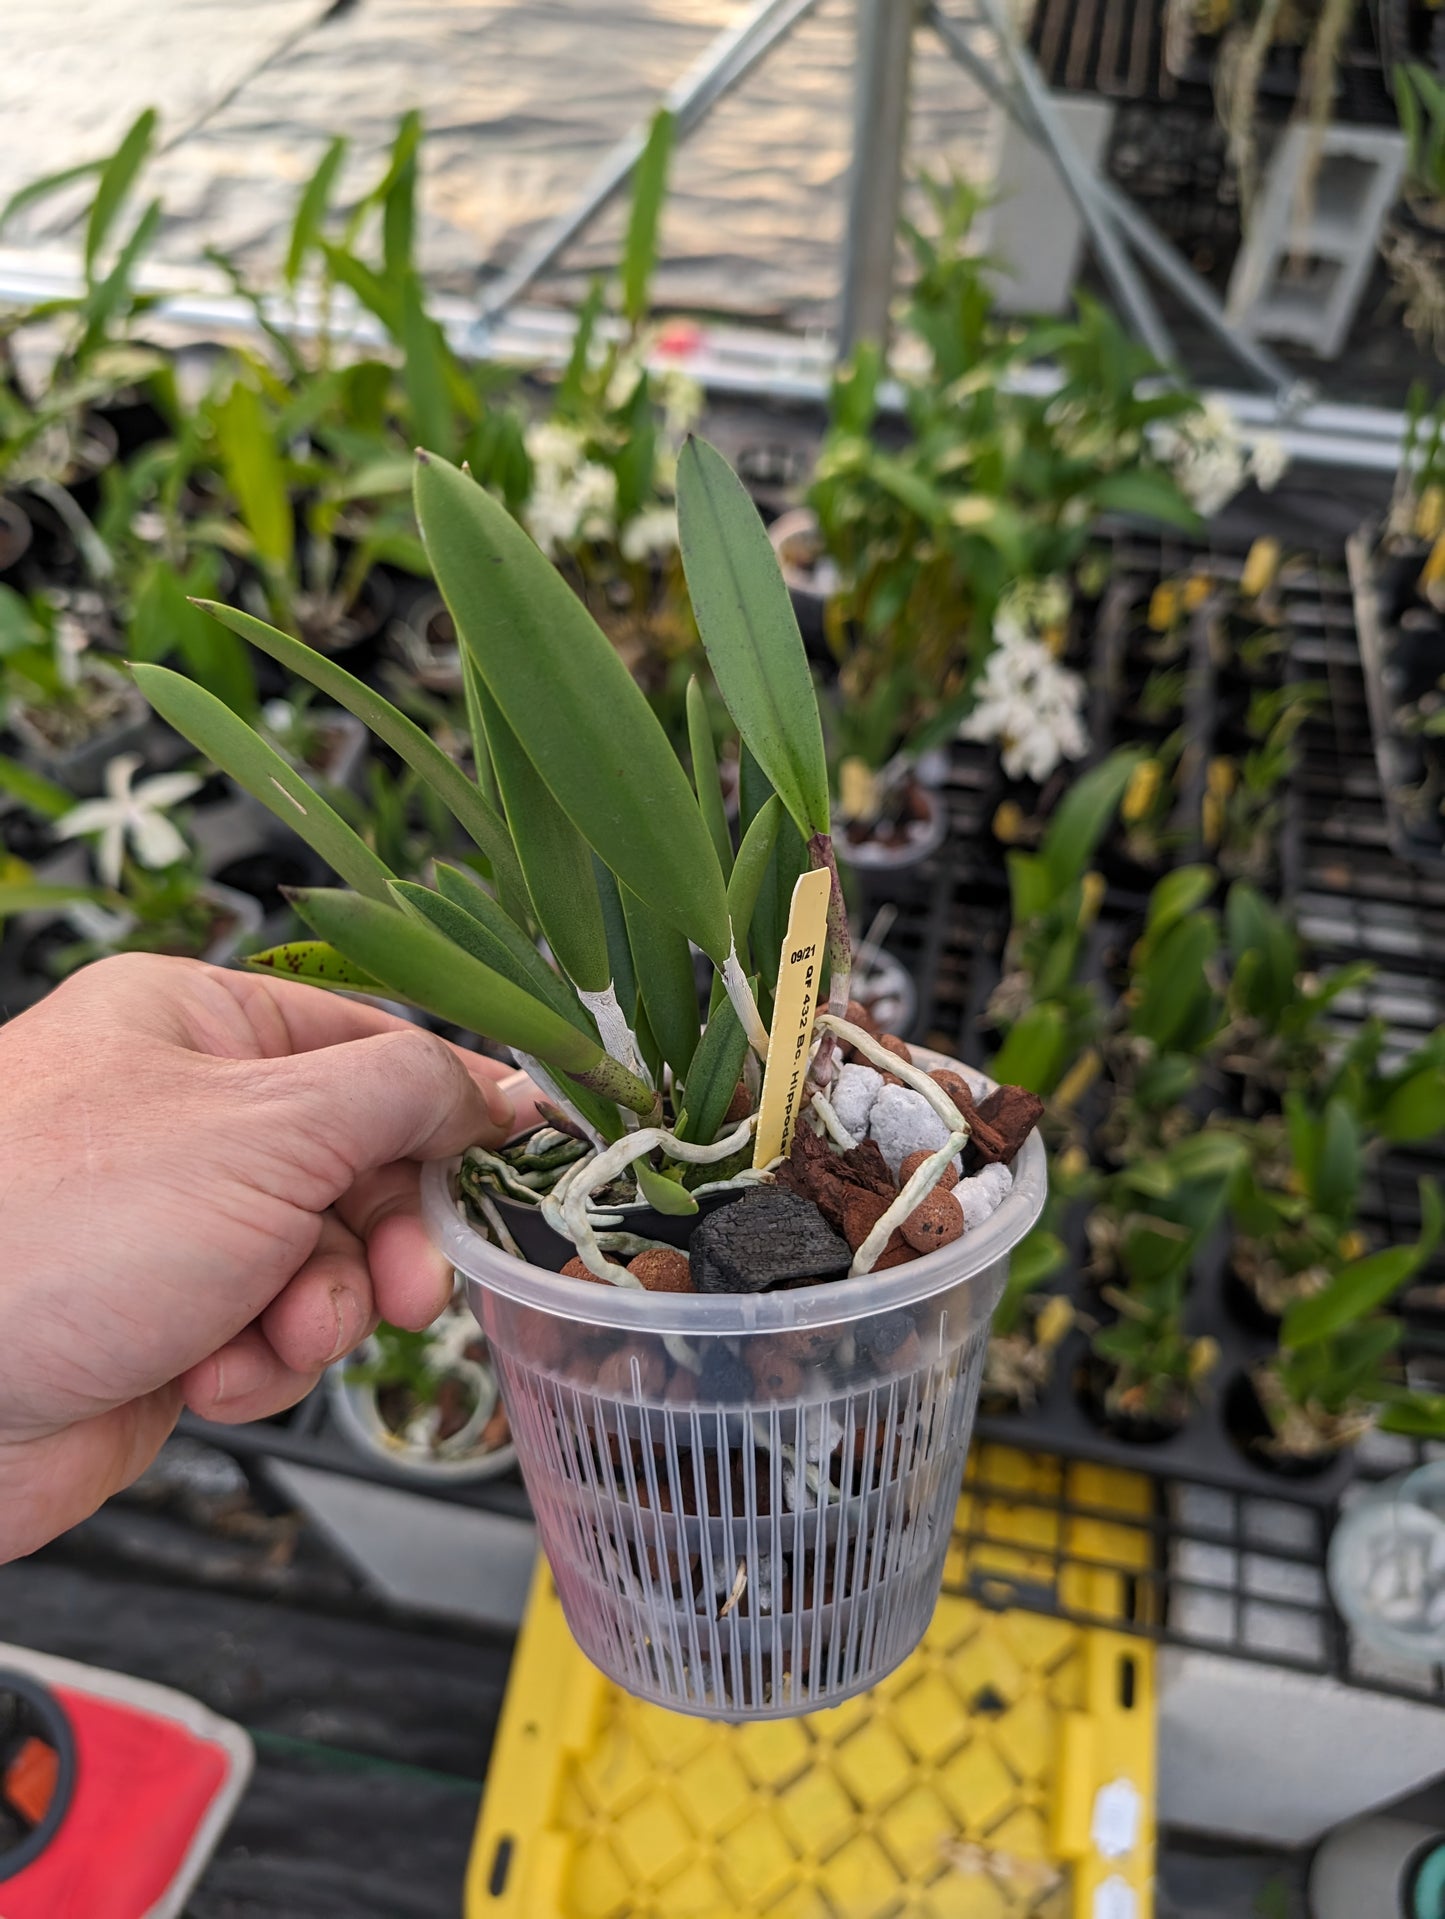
(881, 1337)
(724, 1376)
(766, 1238)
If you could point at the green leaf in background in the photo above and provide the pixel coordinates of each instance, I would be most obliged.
(481, 822)
(1080, 819)
(110, 295)
(750, 633)
(117, 176)
(556, 861)
(374, 293)
(230, 744)
(649, 189)
(36, 896)
(579, 715)
(165, 620)
(314, 963)
(38, 795)
(41, 189)
(705, 775)
(312, 208)
(397, 195)
(1415, 1109)
(717, 1066)
(1036, 1050)
(1176, 895)
(1365, 1285)
(510, 951)
(424, 372)
(664, 1195)
(256, 474)
(1147, 496)
(662, 960)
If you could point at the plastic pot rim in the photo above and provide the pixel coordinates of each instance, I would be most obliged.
(833, 1303)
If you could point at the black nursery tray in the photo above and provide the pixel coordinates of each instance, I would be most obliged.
(1204, 1452)
(1388, 684)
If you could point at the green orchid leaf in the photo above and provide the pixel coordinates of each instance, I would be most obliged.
(717, 1066)
(664, 1195)
(577, 712)
(1036, 1050)
(1079, 820)
(1357, 1290)
(649, 189)
(226, 740)
(37, 896)
(1417, 1415)
(619, 952)
(511, 952)
(750, 633)
(466, 929)
(1415, 1109)
(255, 472)
(705, 775)
(312, 208)
(424, 371)
(416, 962)
(1145, 495)
(662, 960)
(556, 860)
(755, 857)
(117, 176)
(43, 797)
(482, 823)
(1178, 894)
(315, 964)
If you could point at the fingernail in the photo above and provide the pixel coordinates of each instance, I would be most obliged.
(499, 1107)
(218, 1390)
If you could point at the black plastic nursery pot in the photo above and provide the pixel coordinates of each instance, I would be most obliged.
(1402, 652)
(16, 534)
(746, 1498)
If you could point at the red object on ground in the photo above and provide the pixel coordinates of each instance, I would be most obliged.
(156, 1778)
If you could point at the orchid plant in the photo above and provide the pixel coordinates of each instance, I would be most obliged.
(589, 834)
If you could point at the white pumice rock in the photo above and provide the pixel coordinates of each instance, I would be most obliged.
(982, 1194)
(854, 1091)
(903, 1122)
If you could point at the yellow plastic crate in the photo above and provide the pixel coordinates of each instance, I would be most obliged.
(1006, 1768)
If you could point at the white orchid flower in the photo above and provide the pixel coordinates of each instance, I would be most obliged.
(137, 814)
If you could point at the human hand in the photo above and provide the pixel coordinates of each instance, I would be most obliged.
(208, 1192)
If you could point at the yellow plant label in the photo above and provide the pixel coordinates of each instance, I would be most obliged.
(800, 967)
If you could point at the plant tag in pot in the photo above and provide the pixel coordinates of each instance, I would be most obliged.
(796, 999)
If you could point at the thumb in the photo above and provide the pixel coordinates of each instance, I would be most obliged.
(398, 1095)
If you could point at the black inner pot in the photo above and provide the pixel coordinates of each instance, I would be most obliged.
(1248, 1426)
(1091, 1384)
(542, 1247)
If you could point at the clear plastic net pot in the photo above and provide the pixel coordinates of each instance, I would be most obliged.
(746, 1499)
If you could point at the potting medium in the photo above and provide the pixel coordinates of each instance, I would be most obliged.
(746, 1499)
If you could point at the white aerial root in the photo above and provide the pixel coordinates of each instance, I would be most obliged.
(834, 1126)
(903, 1069)
(735, 980)
(572, 1193)
(913, 1194)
